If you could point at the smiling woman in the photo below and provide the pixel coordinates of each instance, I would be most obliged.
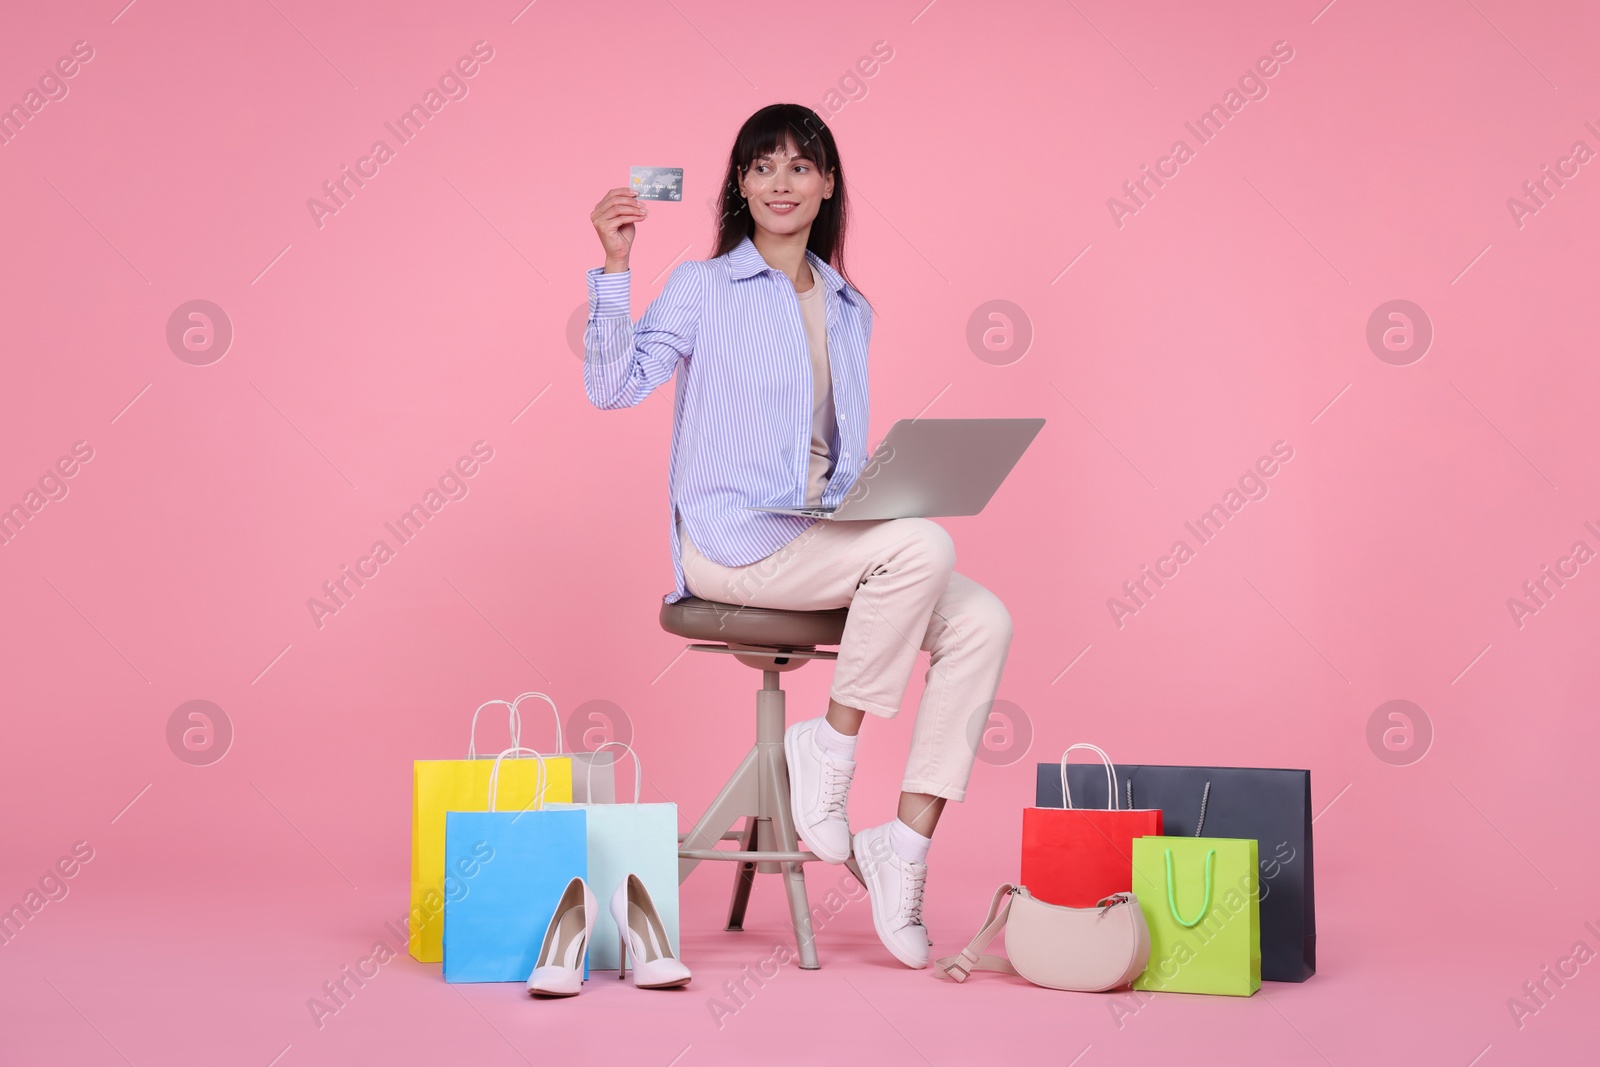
(769, 341)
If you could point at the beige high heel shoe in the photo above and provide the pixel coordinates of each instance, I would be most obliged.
(559, 970)
(655, 965)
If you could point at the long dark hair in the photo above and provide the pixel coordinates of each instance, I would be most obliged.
(763, 133)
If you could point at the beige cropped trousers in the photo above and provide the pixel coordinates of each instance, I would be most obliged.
(898, 578)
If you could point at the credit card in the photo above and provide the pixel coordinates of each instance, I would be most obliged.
(657, 183)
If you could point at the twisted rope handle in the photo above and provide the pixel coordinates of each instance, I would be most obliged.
(1205, 799)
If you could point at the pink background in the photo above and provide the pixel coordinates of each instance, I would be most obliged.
(1228, 314)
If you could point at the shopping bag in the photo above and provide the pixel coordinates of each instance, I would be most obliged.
(1074, 856)
(1271, 805)
(1199, 898)
(625, 839)
(593, 781)
(506, 872)
(439, 786)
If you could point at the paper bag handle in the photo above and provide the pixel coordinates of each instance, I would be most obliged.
(1205, 907)
(494, 776)
(515, 725)
(1111, 775)
(517, 706)
(638, 771)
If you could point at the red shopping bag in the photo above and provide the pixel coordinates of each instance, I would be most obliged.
(1076, 857)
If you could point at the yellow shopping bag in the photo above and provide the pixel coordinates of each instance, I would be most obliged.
(445, 785)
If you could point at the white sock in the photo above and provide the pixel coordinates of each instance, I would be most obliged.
(833, 743)
(907, 843)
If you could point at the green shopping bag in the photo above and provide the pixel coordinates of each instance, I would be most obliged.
(1201, 902)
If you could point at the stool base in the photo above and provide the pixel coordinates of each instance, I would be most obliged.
(758, 793)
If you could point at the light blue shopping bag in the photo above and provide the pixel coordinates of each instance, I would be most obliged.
(625, 839)
(504, 875)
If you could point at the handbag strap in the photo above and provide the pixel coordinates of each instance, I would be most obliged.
(972, 958)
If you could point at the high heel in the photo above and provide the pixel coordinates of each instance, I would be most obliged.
(655, 965)
(559, 970)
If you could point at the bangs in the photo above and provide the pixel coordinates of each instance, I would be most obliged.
(779, 128)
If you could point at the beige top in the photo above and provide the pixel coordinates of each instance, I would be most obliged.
(814, 313)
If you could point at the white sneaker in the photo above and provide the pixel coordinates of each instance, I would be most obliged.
(894, 886)
(819, 789)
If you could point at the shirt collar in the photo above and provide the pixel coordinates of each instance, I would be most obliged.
(746, 261)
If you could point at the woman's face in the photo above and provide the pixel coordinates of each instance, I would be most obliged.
(784, 191)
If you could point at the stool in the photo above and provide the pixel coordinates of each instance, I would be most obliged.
(771, 641)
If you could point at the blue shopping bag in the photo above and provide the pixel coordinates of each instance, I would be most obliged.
(626, 839)
(504, 874)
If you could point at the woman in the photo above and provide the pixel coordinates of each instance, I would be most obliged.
(769, 341)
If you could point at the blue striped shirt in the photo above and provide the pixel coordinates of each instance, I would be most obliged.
(741, 423)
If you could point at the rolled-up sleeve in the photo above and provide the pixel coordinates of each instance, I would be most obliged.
(623, 362)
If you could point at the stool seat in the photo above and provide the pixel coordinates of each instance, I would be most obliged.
(710, 620)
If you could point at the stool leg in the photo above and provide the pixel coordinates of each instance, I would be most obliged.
(776, 782)
(855, 869)
(769, 742)
(744, 879)
(776, 813)
(740, 797)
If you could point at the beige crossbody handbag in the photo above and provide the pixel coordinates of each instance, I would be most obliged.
(1088, 950)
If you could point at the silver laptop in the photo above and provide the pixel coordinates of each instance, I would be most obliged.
(931, 467)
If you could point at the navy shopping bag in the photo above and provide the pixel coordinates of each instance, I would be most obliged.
(1271, 805)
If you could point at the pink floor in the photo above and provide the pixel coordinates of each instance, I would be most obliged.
(204, 945)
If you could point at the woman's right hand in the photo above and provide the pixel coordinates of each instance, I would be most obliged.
(613, 220)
